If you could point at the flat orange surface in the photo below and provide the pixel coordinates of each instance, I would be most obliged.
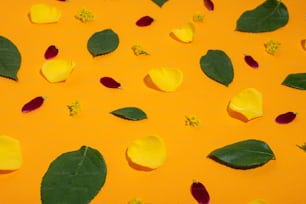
(49, 131)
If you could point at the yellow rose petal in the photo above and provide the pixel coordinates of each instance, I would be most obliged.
(44, 13)
(149, 152)
(57, 70)
(248, 103)
(258, 201)
(184, 34)
(10, 153)
(166, 79)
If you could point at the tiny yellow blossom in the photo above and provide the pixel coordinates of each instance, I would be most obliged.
(198, 17)
(74, 108)
(272, 46)
(137, 49)
(85, 15)
(135, 201)
(192, 121)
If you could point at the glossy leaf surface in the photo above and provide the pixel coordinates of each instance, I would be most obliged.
(269, 16)
(130, 113)
(217, 66)
(297, 80)
(33, 104)
(244, 154)
(74, 177)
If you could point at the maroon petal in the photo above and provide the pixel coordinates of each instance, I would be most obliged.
(250, 61)
(285, 118)
(199, 192)
(51, 52)
(209, 5)
(144, 21)
(110, 82)
(33, 104)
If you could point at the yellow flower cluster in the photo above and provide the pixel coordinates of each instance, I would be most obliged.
(85, 15)
(198, 17)
(136, 201)
(137, 49)
(192, 121)
(74, 108)
(272, 46)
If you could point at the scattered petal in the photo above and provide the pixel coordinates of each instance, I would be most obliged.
(85, 15)
(166, 79)
(33, 104)
(209, 5)
(44, 13)
(303, 43)
(251, 61)
(198, 17)
(149, 152)
(10, 153)
(272, 46)
(74, 108)
(144, 21)
(137, 49)
(258, 201)
(199, 192)
(51, 52)
(303, 147)
(110, 82)
(136, 201)
(184, 34)
(56, 70)
(285, 117)
(192, 121)
(248, 103)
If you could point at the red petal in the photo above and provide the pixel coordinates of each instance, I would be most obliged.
(285, 118)
(110, 82)
(33, 104)
(144, 21)
(51, 52)
(250, 61)
(199, 193)
(209, 5)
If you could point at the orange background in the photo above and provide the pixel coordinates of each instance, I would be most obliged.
(50, 131)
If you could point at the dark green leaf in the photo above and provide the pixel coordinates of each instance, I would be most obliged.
(160, 3)
(297, 81)
(244, 154)
(103, 42)
(74, 177)
(10, 59)
(130, 113)
(269, 16)
(218, 66)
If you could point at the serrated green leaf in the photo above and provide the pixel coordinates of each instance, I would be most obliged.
(10, 59)
(130, 113)
(244, 154)
(297, 80)
(217, 66)
(269, 16)
(74, 177)
(160, 3)
(103, 42)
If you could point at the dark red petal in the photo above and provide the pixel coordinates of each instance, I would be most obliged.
(51, 52)
(209, 5)
(144, 21)
(110, 82)
(33, 104)
(285, 118)
(250, 61)
(199, 193)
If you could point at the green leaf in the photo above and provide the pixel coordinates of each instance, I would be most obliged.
(130, 113)
(244, 154)
(297, 80)
(269, 16)
(74, 177)
(218, 66)
(160, 3)
(10, 59)
(103, 42)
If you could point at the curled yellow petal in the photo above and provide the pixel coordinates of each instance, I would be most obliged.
(57, 70)
(149, 152)
(248, 103)
(10, 153)
(166, 79)
(258, 201)
(44, 13)
(184, 34)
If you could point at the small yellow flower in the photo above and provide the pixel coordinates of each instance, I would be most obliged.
(137, 49)
(74, 108)
(85, 15)
(198, 17)
(136, 201)
(272, 46)
(192, 121)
